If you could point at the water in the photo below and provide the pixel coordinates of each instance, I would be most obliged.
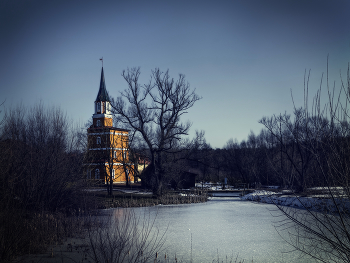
(222, 228)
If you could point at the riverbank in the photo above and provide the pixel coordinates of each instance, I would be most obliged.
(125, 197)
(73, 246)
(313, 201)
(219, 230)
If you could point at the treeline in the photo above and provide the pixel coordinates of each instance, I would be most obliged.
(293, 152)
(40, 179)
(39, 160)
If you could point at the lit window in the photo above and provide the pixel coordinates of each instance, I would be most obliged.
(98, 140)
(97, 174)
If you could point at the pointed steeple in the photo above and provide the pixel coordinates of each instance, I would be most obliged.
(102, 92)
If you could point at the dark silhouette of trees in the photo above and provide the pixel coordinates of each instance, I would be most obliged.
(322, 229)
(293, 146)
(40, 173)
(153, 111)
(40, 164)
(309, 153)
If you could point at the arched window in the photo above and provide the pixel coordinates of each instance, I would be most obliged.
(98, 140)
(124, 155)
(113, 173)
(97, 174)
(114, 154)
(88, 176)
(98, 107)
(98, 123)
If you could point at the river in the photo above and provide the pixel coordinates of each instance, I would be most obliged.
(221, 229)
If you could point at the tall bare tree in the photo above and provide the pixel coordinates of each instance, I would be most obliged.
(153, 111)
(322, 229)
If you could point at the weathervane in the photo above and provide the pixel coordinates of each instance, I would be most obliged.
(102, 61)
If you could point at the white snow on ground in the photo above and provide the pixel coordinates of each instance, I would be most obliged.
(182, 194)
(315, 202)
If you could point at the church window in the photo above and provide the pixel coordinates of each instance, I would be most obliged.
(98, 140)
(113, 174)
(97, 174)
(114, 154)
(98, 107)
(124, 155)
(98, 123)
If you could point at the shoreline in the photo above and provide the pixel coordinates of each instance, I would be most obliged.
(74, 249)
(136, 199)
(314, 202)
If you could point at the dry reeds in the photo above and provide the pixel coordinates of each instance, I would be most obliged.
(124, 237)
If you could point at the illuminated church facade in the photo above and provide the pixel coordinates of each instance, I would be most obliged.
(108, 146)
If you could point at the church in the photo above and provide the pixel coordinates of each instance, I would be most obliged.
(108, 146)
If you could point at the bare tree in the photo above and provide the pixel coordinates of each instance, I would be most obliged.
(153, 111)
(292, 145)
(322, 229)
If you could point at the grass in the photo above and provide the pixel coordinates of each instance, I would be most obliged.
(121, 199)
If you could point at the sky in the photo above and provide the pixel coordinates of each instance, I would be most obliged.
(243, 57)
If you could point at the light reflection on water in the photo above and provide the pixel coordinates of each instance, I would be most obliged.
(224, 226)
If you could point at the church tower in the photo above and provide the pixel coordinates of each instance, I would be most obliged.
(108, 146)
(102, 116)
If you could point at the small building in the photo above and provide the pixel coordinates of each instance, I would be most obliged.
(187, 180)
(141, 163)
(108, 146)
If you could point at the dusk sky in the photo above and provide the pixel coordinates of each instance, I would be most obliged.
(242, 57)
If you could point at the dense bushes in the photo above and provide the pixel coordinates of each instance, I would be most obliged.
(39, 162)
(40, 171)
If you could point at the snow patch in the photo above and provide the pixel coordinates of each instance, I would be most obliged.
(315, 202)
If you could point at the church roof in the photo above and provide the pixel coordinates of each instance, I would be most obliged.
(102, 92)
